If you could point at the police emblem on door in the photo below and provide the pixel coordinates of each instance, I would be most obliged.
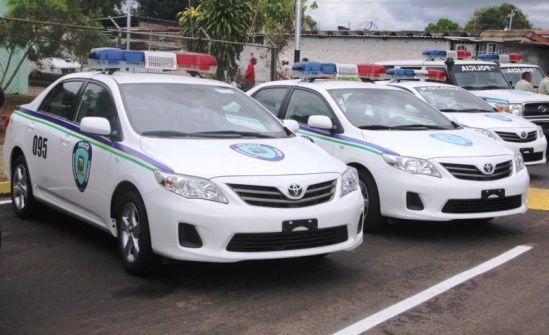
(81, 164)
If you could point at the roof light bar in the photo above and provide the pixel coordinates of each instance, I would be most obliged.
(371, 71)
(314, 70)
(155, 61)
(443, 54)
(503, 58)
(438, 75)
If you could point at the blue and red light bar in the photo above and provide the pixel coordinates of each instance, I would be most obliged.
(316, 70)
(152, 60)
(503, 58)
(439, 75)
(443, 54)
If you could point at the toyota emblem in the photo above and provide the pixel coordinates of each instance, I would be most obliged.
(523, 135)
(542, 109)
(488, 168)
(295, 191)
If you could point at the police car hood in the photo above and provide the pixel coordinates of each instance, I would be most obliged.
(209, 158)
(510, 96)
(491, 121)
(434, 143)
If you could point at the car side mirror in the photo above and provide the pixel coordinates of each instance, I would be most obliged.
(320, 122)
(452, 118)
(95, 125)
(292, 125)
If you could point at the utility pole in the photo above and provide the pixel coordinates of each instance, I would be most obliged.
(297, 51)
(128, 23)
(510, 16)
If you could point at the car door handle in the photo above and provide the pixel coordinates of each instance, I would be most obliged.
(30, 127)
(65, 139)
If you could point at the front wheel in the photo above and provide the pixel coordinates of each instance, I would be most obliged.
(134, 239)
(22, 198)
(373, 221)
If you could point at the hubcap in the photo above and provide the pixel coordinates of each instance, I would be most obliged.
(366, 197)
(130, 232)
(20, 187)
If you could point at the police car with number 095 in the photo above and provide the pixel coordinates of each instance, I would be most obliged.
(413, 162)
(466, 109)
(483, 78)
(181, 167)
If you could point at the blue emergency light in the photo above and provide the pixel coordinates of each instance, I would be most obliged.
(133, 57)
(309, 70)
(489, 57)
(106, 56)
(435, 53)
(400, 72)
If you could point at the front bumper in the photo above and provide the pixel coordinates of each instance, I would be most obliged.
(217, 223)
(393, 185)
(537, 148)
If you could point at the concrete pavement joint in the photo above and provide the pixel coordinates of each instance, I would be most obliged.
(426, 295)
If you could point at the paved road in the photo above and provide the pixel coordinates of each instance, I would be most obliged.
(61, 276)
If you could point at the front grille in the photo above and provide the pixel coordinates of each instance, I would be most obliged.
(536, 109)
(255, 242)
(532, 156)
(512, 137)
(268, 196)
(471, 172)
(466, 206)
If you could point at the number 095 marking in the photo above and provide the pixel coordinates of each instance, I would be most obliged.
(40, 146)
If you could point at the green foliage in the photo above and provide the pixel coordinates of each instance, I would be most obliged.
(38, 40)
(496, 17)
(443, 26)
(100, 8)
(220, 20)
(164, 9)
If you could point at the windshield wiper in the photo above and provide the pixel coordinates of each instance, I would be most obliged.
(465, 110)
(493, 87)
(230, 134)
(374, 127)
(165, 133)
(402, 127)
(450, 110)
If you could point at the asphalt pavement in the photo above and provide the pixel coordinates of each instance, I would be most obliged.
(61, 276)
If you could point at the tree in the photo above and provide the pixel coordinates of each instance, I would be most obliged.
(496, 18)
(164, 9)
(220, 20)
(443, 26)
(36, 41)
(100, 8)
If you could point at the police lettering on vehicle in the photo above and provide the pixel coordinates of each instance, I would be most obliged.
(477, 68)
(518, 69)
(81, 164)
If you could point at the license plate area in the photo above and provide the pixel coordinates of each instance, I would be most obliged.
(289, 226)
(493, 194)
(525, 151)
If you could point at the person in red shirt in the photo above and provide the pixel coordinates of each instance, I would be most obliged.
(249, 76)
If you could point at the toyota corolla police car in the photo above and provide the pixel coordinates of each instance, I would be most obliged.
(484, 79)
(512, 69)
(181, 167)
(413, 162)
(468, 110)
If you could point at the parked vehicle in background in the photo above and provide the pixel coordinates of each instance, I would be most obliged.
(413, 162)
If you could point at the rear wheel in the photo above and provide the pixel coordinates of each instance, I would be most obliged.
(22, 198)
(373, 221)
(134, 240)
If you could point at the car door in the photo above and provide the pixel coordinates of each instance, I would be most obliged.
(49, 137)
(272, 98)
(88, 156)
(305, 103)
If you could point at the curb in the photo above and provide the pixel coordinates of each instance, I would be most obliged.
(5, 187)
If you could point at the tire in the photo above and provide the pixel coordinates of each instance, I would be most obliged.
(373, 221)
(134, 239)
(22, 199)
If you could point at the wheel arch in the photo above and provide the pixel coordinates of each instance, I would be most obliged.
(15, 152)
(122, 187)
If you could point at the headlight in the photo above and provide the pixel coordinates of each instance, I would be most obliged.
(515, 109)
(540, 132)
(349, 181)
(519, 162)
(487, 132)
(412, 165)
(190, 187)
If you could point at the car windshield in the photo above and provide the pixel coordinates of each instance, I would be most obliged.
(453, 99)
(479, 77)
(185, 110)
(514, 74)
(383, 109)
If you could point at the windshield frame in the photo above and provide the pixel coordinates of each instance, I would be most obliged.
(532, 69)
(215, 134)
(418, 104)
(452, 74)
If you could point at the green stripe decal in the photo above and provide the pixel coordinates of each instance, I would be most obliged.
(103, 146)
(335, 140)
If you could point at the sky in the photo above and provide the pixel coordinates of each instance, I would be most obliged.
(413, 14)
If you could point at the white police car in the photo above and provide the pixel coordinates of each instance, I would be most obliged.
(468, 110)
(484, 79)
(512, 69)
(413, 162)
(181, 167)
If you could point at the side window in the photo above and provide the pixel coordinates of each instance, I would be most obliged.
(272, 99)
(304, 104)
(62, 99)
(97, 101)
